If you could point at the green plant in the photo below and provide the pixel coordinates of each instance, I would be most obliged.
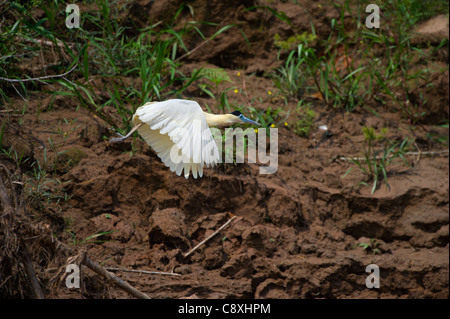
(375, 161)
(335, 77)
(9, 152)
(289, 78)
(92, 239)
(346, 68)
(396, 77)
(419, 10)
(109, 56)
(293, 41)
(63, 134)
(148, 57)
(42, 190)
(303, 126)
(372, 246)
(270, 118)
(12, 154)
(436, 136)
(214, 75)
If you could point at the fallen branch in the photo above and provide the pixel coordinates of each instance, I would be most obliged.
(31, 275)
(443, 152)
(143, 271)
(4, 195)
(209, 237)
(40, 79)
(22, 252)
(193, 50)
(203, 43)
(113, 278)
(48, 43)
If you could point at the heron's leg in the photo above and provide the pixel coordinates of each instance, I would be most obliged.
(121, 138)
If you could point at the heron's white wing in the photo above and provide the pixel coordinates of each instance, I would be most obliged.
(178, 132)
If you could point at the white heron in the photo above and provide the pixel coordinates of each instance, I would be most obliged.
(181, 126)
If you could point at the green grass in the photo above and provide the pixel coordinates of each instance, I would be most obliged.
(289, 78)
(43, 190)
(151, 57)
(370, 247)
(113, 70)
(209, 80)
(215, 76)
(417, 10)
(436, 137)
(293, 41)
(347, 69)
(302, 127)
(371, 69)
(104, 53)
(270, 118)
(377, 156)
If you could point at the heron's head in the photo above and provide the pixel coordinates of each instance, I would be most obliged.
(241, 118)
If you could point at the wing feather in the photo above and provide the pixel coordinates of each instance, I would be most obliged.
(177, 131)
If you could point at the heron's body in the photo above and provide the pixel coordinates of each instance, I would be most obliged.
(178, 131)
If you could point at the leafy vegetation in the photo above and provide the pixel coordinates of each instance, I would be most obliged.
(217, 76)
(375, 160)
(101, 57)
(293, 41)
(370, 247)
(347, 72)
(289, 78)
(344, 82)
(303, 126)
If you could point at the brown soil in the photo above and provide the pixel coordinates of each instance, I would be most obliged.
(297, 232)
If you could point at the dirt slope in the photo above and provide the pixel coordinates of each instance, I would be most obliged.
(297, 232)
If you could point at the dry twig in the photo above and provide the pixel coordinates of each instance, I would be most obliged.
(58, 43)
(20, 251)
(31, 275)
(209, 237)
(443, 152)
(41, 78)
(193, 50)
(143, 271)
(114, 279)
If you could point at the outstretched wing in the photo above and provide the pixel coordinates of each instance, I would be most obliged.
(178, 132)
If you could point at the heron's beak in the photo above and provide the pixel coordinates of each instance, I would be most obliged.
(247, 120)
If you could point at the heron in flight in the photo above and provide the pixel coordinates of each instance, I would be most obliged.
(180, 126)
